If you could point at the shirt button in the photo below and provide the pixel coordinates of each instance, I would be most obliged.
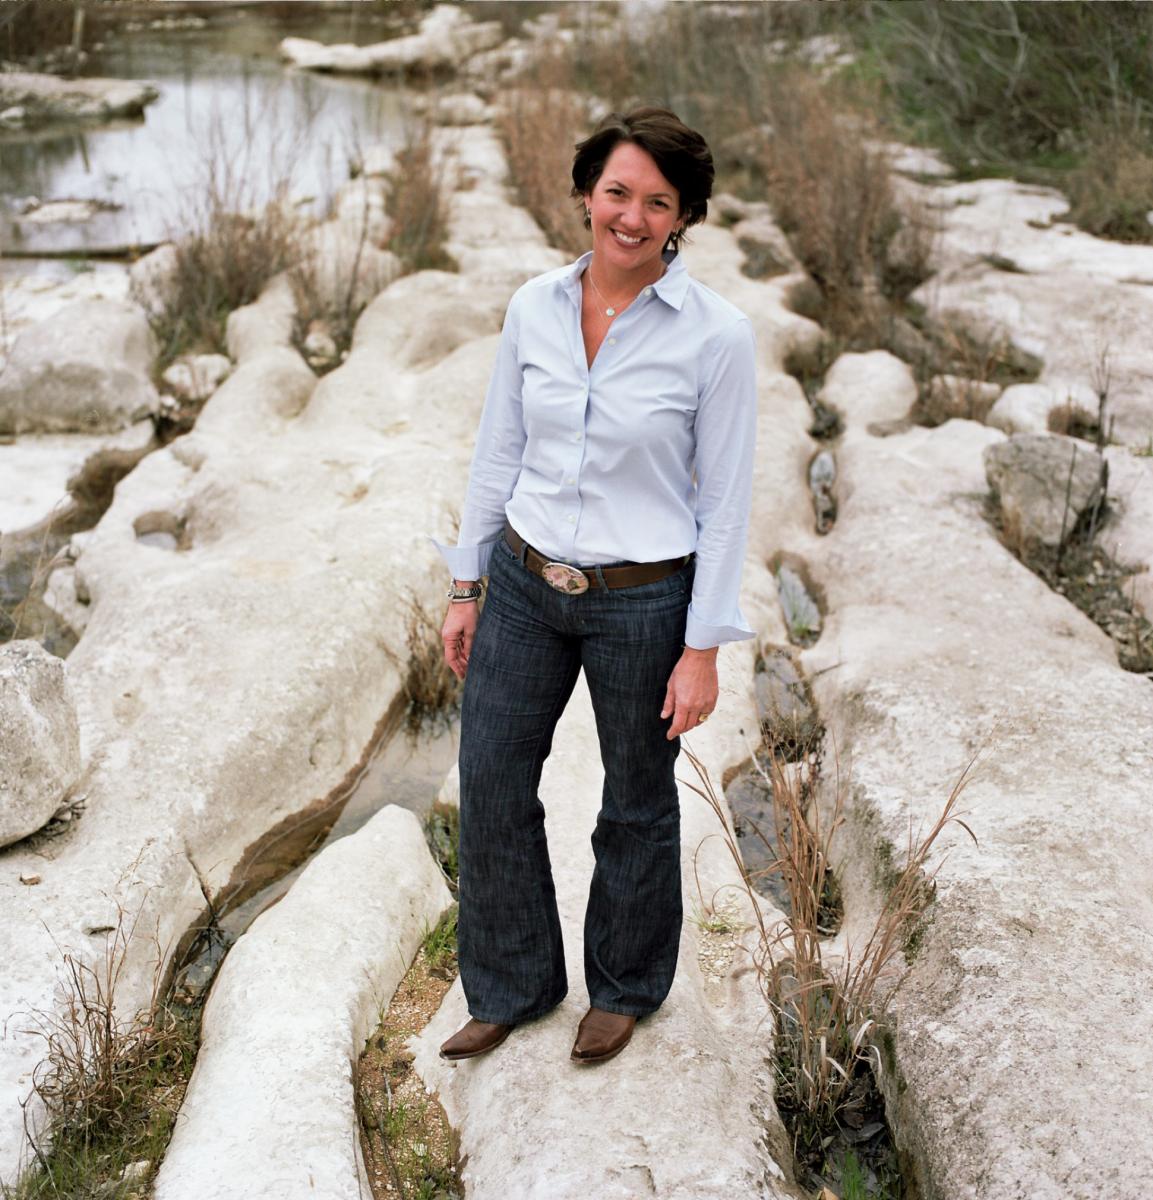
(570, 479)
(576, 437)
(648, 291)
(572, 520)
(612, 341)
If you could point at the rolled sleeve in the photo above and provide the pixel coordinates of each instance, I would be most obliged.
(726, 425)
(496, 460)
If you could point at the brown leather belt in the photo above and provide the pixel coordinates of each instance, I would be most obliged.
(566, 578)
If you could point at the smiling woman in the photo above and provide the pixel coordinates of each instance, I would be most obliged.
(607, 503)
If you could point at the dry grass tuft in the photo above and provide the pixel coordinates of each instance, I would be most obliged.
(433, 692)
(829, 184)
(417, 203)
(111, 1083)
(540, 124)
(828, 1014)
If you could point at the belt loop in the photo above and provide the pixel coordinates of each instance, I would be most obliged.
(600, 577)
(523, 554)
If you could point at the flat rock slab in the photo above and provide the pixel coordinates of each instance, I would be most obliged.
(47, 98)
(685, 1111)
(270, 1111)
(1019, 1066)
(1006, 263)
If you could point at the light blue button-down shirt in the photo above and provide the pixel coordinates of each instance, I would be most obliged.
(645, 455)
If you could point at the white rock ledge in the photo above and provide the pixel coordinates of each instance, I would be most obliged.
(270, 1112)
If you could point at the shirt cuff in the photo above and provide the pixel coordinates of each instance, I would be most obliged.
(467, 562)
(700, 635)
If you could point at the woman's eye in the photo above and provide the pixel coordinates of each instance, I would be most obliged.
(614, 191)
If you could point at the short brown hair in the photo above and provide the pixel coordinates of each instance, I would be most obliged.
(681, 154)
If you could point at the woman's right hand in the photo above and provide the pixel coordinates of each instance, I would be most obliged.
(457, 632)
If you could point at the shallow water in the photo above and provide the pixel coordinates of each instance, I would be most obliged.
(229, 115)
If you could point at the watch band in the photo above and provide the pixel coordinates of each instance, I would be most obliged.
(463, 595)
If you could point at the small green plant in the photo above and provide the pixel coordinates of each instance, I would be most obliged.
(711, 919)
(439, 945)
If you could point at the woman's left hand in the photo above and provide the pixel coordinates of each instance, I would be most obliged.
(692, 691)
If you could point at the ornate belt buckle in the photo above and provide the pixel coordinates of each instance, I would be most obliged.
(565, 578)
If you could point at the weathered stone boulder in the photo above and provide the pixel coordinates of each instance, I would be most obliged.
(39, 738)
(83, 369)
(46, 98)
(1044, 483)
(196, 376)
(360, 206)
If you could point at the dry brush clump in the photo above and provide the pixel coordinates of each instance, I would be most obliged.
(110, 1080)
(540, 122)
(828, 180)
(417, 203)
(829, 1011)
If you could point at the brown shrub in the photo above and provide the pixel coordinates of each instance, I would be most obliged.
(540, 124)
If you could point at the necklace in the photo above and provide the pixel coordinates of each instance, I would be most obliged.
(610, 311)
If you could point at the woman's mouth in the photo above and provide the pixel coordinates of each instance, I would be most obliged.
(625, 240)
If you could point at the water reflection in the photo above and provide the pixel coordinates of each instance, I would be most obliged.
(229, 116)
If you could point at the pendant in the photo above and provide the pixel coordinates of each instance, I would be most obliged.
(610, 312)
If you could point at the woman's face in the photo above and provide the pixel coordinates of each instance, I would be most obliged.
(634, 209)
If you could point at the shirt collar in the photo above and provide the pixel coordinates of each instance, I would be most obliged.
(671, 287)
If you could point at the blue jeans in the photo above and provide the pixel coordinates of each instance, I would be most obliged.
(530, 645)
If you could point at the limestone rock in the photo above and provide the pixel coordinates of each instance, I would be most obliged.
(1023, 408)
(359, 206)
(341, 267)
(1127, 533)
(153, 278)
(446, 39)
(1078, 308)
(294, 1003)
(39, 738)
(458, 108)
(1044, 483)
(85, 369)
(940, 644)
(196, 376)
(46, 98)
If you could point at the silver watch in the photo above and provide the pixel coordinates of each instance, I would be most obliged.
(463, 595)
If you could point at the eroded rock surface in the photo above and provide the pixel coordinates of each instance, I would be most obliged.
(1044, 483)
(952, 649)
(232, 675)
(39, 738)
(1009, 265)
(272, 1100)
(83, 369)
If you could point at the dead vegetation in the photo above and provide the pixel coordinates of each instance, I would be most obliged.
(831, 1010)
(111, 1082)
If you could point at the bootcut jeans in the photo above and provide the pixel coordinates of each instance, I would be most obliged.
(530, 646)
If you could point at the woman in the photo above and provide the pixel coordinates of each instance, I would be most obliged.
(608, 504)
